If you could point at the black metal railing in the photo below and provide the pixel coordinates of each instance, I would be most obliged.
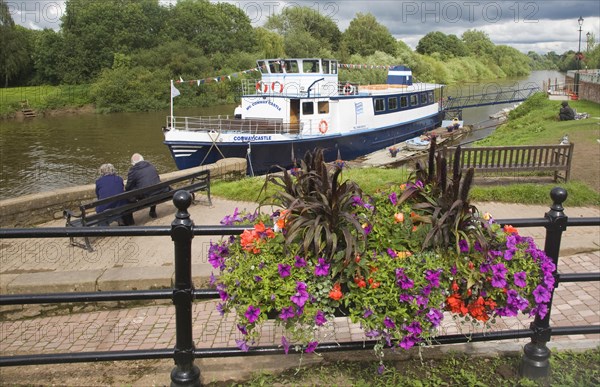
(534, 363)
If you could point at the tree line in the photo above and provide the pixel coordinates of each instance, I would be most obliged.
(128, 50)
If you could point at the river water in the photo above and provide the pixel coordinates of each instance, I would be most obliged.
(47, 153)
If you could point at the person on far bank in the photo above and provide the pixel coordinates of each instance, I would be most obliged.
(141, 174)
(566, 112)
(109, 184)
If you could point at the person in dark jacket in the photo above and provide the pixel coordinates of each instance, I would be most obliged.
(109, 184)
(142, 174)
(566, 112)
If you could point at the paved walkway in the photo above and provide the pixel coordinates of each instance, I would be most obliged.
(129, 263)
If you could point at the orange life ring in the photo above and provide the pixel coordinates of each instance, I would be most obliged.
(348, 88)
(274, 84)
(323, 126)
(262, 87)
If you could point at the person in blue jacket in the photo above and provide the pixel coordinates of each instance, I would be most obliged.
(109, 184)
(142, 174)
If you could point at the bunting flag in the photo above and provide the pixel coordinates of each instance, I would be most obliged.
(363, 66)
(174, 91)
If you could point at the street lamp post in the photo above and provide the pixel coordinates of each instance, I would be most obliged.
(578, 57)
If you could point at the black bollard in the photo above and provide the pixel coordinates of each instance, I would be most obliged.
(535, 362)
(185, 373)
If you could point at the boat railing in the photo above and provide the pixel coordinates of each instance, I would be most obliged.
(294, 88)
(228, 123)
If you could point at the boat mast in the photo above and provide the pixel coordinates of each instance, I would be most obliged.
(172, 87)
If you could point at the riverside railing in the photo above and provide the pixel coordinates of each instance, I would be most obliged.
(534, 363)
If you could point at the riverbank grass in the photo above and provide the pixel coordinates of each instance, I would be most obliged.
(42, 98)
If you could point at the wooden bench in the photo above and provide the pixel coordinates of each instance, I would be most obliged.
(491, 159)
(150, 196)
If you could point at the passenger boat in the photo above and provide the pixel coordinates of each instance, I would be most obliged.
(299, 105)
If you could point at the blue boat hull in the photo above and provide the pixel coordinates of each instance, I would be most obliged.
(265, 157)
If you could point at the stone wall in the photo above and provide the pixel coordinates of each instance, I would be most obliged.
(589, 84)
(29, 210)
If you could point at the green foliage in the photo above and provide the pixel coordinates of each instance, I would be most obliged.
(14, 55)
(448, 46)
(365, 35)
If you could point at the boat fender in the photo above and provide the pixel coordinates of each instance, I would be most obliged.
(348, 89)
(277, 85)
(262, 87)
(323, 126)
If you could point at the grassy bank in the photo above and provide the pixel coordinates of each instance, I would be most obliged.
(42, 98)
(568, 369)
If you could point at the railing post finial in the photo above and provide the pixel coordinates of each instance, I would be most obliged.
(185, 372)
(535, 362)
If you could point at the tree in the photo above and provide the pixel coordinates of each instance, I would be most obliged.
(269, 43)
(365, 35)
(14, 55)
(212, 27)
(94, 31)
(448, 46)
(478, 43)
(47, 56)
(511, 61)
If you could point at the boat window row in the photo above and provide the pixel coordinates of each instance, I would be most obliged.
(391, 104)
(297, 66)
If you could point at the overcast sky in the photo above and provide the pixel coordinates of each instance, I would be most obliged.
(541, 26)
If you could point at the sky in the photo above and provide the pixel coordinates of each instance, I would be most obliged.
(540, 26)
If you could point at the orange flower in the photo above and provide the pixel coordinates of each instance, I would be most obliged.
(360, 282)
(477, 310)
(373, 284)
(414, 228)
(402, 187)
(357, 258)
(403, 254)
(336, 292)
(399, 217)
(247, 240)
(510, 229)
(471, 265)
(282, 220)
(490, 304)
(456, 304)
(455, 286)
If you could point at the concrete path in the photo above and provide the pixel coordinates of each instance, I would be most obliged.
(53, 265)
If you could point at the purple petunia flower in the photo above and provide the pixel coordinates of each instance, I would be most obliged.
(284, 270)
(453, 270)
(405, 297)
(498, 281)
(320, 318)
(463, 245)
(243, 345)
(301, 295)
(402, 280)
(257, 278)
(230, 220)
(311, 346)
(433, 277)
(285, 344)
(300, 262)
(520, 279)
(242, 328)
(414, 328)
(322, 268)
(389, 323)
(286, 312)
(392, 253)
(222, 293)
(393, 198)
(367, 228)
(380, 369)
(508, 254)
(434, 316)
(541, 294)
(477, 246)
(407, 342)
(216, 255)
(368, 313)
(221, 308)
(252, 313)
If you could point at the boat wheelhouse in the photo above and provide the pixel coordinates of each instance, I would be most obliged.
(299, 105)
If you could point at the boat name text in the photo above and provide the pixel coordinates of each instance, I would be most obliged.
(270, 103)
(251, 138)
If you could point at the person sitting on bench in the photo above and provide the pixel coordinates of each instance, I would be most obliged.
(141, 174)
(109, 184)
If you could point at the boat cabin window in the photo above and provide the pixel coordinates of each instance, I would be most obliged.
(423, 97)
(275, 67)
(326, 67)
(430, 96)
(263, 66)
(334, 67)
(413, 100)
(392, 103)
(403, 101)
(379, 104)
(308, 108)
(310, 66)
(323, 107)
(291, 66)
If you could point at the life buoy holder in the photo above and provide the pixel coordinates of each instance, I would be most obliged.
(348, 89)
(262, 87)
(277, 87)
(323, 126)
